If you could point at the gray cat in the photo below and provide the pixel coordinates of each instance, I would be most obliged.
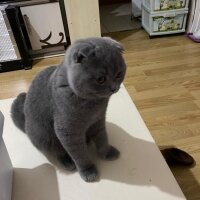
(66, 105)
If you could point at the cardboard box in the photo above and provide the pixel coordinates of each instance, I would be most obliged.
(6, 169)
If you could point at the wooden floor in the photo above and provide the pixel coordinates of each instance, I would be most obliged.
(163, 79)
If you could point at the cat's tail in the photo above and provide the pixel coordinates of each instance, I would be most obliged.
(17, 111)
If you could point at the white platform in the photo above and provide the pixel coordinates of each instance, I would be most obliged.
(141, 172)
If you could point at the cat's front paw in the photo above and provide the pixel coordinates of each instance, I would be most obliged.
(89, 174)
(68, 163)
(111, 154)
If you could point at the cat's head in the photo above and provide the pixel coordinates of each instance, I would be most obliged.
(95, 67)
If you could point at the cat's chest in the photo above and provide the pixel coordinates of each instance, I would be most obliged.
(91, 111)
(94, 109)
(71, 108)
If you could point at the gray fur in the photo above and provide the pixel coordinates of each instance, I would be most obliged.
(65, 105)
(17, 111)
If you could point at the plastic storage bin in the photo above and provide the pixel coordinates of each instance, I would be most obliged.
(162, 23)
(165, 5)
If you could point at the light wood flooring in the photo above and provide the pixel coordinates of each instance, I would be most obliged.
(163, 79)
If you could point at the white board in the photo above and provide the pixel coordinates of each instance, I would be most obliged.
(140, 173)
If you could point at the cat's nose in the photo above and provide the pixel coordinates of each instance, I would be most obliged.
(114, 89)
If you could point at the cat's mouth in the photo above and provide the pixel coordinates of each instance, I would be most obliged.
(106, 94)
(96, 94)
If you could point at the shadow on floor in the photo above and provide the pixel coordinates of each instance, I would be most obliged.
(140, 164)
(131, 167)
(39, 183)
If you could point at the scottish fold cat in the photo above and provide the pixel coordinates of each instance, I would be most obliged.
(66, 105)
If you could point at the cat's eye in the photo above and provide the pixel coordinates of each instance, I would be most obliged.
(119, 75)
(101, 80)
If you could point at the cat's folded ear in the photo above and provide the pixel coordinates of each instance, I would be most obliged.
(115, 44)
(83, 52)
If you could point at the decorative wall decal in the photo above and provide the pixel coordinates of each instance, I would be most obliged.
(45, 33)
(45, 41)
